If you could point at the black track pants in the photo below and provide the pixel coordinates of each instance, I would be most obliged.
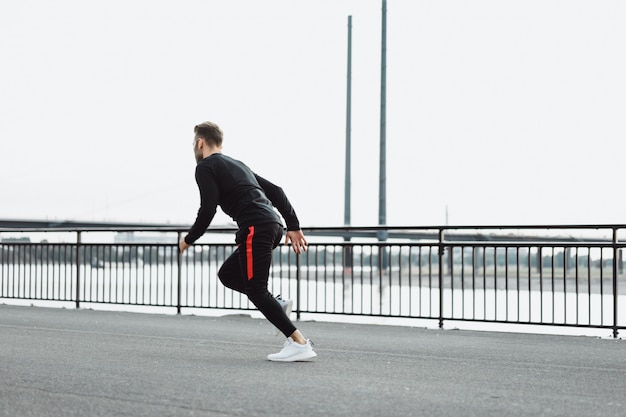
(247, 270)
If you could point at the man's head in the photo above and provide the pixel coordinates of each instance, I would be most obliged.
(211, 135)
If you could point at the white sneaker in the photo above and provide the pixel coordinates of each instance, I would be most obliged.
(287, 305)
(293, 352)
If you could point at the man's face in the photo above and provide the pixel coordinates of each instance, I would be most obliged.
(197, 149)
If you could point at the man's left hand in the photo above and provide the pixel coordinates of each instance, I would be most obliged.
(298, 242)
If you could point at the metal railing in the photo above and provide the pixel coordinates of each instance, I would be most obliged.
(541, 275)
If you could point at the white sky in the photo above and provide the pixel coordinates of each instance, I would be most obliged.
(507, 112)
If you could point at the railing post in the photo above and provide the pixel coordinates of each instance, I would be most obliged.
(179, 263)
(615, 297)
(78, 262)
(441, 272)
(297, 287)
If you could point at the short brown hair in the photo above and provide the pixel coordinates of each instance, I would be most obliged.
(210, 132)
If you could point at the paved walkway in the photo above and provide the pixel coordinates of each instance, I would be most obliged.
(57, 362)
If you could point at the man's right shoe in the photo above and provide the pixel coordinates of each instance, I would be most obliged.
(293, 352)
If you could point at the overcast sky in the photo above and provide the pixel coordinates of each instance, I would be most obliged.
(505, 112)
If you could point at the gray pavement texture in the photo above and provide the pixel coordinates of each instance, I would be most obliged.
(58, 362)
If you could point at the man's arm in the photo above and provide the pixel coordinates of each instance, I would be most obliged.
(209, 197)
(279, 199)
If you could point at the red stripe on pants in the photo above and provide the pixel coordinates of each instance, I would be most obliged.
(249, 263)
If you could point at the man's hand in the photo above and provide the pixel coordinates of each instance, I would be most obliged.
(298, 242)
(182, 245)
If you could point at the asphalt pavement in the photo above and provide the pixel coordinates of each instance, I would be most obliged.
(62, 362)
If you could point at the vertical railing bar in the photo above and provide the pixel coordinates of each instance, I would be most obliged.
(462, 282)
(41, 268)
(128, 273)
(552, 281)
(450, 272)
(381, 271)
(529, 260)
(430, 281)
(56, 284)
(484, 267)
(50, 260)
(190, 283)
(506, 283)
(15, 263)
(60, 261)
(68, 271)
(517, 281)
(137, 271)
(11, 271)
(589, 282)
(33, 263)
(419, 277)
(202, 280)
(307, 300)
(473, 253)
(370, 277)
(495, 282)
(441, 272)
(30, 270)
(390, 277)
(399, 282)
(298, 290)
(324, 274)
(179, 262)
(28, 267)
(410, 260)
(119, 272)
(28, 251)
(23, 271)
(115, 255)
(334, 276)
(540, 260)
(352, 295)
(2, 269)
(15, 290)
(565, 284)
(577, 287)
(101, 285)
(615, 298)
(20, 261)
(87, 256)
(113, 267)
(160, 280)
(602, 286)
(317, 276)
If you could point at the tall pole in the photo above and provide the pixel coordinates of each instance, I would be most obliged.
(347, 205)
(382, 178)
(347, 252)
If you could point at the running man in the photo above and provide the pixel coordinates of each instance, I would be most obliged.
(250, 200)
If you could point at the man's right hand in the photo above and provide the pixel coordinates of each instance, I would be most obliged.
(182, 245)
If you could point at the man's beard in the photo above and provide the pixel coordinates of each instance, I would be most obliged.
(198, 153)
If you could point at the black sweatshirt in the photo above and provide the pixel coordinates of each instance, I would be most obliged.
(246, 197)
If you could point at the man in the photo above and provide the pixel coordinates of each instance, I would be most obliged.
(250, 200)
